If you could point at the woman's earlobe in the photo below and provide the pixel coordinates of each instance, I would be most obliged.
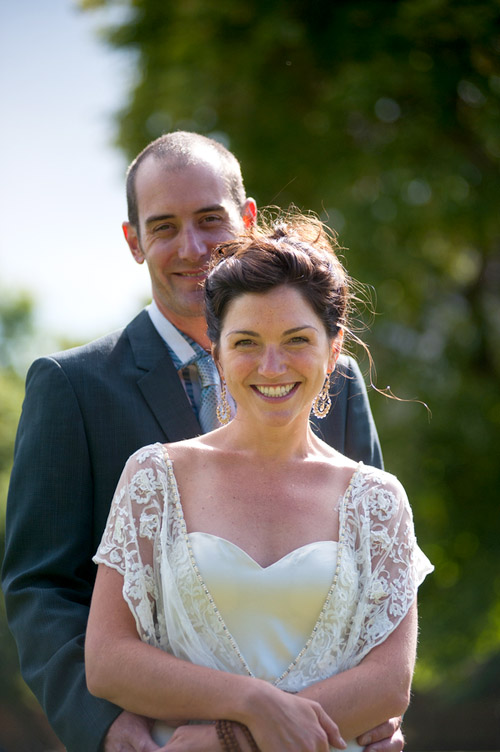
(332, 361)
(337, 347)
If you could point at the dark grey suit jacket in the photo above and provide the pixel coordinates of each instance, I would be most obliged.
(85, 412)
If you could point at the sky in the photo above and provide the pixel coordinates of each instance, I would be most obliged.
(62, 197)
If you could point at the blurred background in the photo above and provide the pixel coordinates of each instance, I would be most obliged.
(382, 116)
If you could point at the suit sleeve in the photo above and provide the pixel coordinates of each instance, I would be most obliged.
(47, 573)
(361, 438)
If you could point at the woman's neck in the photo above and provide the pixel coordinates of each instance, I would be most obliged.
(280, 443)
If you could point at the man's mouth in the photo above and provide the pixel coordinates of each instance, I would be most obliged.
(195, 274)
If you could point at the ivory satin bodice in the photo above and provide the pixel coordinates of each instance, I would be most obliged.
(317, 611)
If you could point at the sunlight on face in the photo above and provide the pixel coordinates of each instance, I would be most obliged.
(184, 213)
(275, 353)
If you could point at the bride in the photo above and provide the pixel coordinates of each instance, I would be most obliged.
(254, 580)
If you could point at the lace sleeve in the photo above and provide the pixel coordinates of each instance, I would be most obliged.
(391, 566)
(130, 543)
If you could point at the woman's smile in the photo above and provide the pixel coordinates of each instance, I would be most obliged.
(275, 391)
(274, 353)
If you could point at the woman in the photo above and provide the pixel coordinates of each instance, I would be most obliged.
(271, 581)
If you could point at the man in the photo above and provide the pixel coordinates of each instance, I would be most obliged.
(86, 410)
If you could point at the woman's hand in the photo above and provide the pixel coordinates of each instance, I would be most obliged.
(280, 722)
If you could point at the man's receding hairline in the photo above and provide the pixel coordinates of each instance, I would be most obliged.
(177, 163)
(182, 149)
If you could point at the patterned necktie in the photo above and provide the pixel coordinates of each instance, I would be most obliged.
(209, 380)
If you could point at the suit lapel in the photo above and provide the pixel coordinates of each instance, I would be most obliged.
(159, 381)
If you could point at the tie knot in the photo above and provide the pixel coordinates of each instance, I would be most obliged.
(207, 370)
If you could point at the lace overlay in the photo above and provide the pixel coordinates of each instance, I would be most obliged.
(379, 569)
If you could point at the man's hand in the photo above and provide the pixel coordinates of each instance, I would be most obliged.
(130, 733)
(387, 737)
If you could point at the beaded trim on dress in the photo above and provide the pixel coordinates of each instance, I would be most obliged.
(378, 571)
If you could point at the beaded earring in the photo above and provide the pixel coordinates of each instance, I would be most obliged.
(322, 402)
(223, 408)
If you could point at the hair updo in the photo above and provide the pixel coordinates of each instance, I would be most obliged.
(298, 251)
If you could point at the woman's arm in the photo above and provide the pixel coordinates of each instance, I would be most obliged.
(148, 681)
(139, 677)
(378, 688)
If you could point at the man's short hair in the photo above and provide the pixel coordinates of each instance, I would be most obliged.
(182, 149)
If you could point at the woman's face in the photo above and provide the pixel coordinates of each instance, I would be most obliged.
(274, 352)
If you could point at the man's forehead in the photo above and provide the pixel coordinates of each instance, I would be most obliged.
(180, 181)
(206, 160)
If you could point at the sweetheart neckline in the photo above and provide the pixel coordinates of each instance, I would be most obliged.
(168, 465)
(169, 462)
(248, 556)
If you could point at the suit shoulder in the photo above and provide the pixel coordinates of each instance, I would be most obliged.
(100, 346)
(107, 348)
(87, 356)
(348, 365)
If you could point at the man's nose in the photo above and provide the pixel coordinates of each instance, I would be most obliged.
(272, 363)
(191, 245)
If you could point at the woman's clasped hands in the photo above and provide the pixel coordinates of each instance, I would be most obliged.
(278, 722)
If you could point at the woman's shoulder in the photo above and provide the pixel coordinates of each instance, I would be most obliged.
(187, 450)
(189, 457)
(378, 491)
(150, 459)
(376, 476)
(147, 454)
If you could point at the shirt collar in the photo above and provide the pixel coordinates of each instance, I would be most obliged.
(173, 338)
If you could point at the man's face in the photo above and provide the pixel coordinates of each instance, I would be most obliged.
(184, 213)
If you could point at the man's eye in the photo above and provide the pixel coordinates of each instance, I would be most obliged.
(211, 219)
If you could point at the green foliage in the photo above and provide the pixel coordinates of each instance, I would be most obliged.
(16, 327)
(384, 117)
(11, 395)
(16, 330)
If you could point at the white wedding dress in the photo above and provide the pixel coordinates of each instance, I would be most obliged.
(317, 611)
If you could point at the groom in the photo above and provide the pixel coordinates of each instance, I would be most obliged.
(87, 409)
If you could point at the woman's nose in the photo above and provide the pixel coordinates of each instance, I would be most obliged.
(272, 362)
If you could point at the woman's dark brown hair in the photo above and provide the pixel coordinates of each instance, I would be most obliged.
(298, 251)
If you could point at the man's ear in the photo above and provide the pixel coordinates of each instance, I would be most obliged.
(249, 213)
(132, 239)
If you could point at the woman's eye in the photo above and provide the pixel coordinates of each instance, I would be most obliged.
(298, 340)
(244, 343)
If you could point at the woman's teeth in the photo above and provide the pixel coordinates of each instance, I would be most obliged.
(275, 391)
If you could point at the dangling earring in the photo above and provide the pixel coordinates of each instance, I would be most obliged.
(223, 409)
(322, 402)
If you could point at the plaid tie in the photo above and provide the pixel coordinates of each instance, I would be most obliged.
(209, 380)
